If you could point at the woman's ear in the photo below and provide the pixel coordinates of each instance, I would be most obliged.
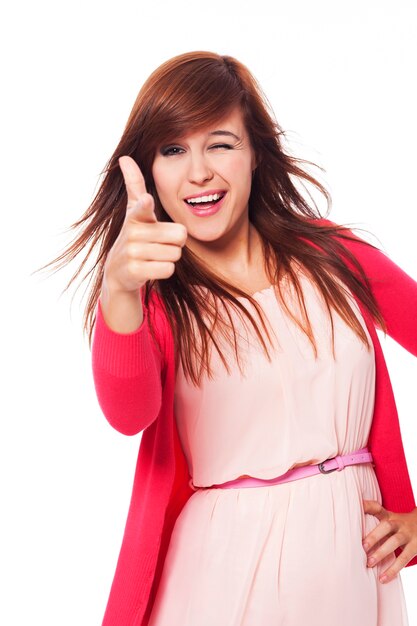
(256, 159)
(255, 167)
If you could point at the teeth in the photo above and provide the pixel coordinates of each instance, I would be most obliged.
(210, 198)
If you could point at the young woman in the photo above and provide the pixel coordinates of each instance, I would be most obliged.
(235, 329)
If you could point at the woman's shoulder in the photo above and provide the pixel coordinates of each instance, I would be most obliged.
(346, 234)
(386, 276)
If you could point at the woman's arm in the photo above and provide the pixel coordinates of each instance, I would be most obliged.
(127, 371)
(122, 310)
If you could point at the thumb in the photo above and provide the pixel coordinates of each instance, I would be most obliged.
(140, 204)
(142, 210)
(133, 179)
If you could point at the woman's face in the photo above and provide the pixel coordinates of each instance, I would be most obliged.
(218, 160)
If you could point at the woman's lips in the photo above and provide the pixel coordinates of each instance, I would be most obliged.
(207, 192)
(207, 210)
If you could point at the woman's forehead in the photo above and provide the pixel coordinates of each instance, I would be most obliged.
(231, 125)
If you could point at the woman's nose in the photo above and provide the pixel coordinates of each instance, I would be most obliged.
(199, 169)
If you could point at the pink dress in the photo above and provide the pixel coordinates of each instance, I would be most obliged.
(289, 554)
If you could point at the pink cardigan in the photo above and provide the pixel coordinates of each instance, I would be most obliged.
(134, 383)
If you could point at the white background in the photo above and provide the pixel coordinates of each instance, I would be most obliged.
(341, 81)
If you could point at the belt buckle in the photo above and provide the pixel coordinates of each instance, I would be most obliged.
(324, 471)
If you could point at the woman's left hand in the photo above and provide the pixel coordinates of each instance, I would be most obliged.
(401, 529)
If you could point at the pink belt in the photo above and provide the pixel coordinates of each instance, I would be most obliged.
(326, 467)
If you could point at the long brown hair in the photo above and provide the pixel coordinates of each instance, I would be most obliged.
(188, 93)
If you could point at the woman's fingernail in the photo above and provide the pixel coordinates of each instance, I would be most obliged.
(383, 579)
(365, 545)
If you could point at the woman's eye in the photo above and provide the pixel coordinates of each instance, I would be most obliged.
(223, 145)
(170, 150)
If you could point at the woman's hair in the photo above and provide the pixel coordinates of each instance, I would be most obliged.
(186, 94)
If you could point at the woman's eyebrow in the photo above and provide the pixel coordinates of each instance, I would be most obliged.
(224, 132)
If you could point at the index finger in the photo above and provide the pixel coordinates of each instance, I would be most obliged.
(133, 177)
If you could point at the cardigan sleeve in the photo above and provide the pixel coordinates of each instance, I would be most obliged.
(127, 370)
(394, 290)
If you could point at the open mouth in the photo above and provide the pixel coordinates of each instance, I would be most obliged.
(199, 205)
